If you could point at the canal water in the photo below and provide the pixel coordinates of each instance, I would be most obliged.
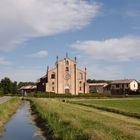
(20, 126)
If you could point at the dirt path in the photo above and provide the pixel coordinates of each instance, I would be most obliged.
(4, 99)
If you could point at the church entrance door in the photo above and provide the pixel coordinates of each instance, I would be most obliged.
(67, 91)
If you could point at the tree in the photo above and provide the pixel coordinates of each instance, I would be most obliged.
(25, 84)
(98, 81)
(6, 85)
(14, 89)
(1, 90)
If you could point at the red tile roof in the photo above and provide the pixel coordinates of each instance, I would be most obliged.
(125, 81)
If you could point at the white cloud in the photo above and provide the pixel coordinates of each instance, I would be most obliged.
(22, 73)
(112, 71)
(21, 19)
(42, 53)
(115, 49)
(101, 70)
(3, 61)
(108, 72)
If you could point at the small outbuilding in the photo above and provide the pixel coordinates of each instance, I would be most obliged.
(28, 89)
(97, 87)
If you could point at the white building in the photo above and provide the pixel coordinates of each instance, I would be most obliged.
(124, 86)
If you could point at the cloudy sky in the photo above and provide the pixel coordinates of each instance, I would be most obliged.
(104, 35)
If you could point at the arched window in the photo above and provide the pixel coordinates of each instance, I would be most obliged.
(52, 83)
(67, 62)
(53, 75)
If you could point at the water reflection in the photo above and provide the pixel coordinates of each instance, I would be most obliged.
(20, 126)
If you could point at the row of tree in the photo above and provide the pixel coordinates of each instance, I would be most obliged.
(9, 87)
(98, 81)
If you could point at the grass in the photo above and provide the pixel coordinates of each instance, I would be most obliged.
(71, 122)
(68, 95)
(127, 106)
(7, 109)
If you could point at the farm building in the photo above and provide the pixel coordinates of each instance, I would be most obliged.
(96, 87)
(122, 86)
(28, 88)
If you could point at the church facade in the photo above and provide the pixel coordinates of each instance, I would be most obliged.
(65, 77)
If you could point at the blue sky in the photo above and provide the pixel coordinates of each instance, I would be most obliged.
(104, 35)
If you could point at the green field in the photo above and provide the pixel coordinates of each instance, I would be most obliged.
(125, 106)
(71, 121)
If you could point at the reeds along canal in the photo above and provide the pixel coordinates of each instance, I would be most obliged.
(20, 126)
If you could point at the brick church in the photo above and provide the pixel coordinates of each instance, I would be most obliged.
(65, 77)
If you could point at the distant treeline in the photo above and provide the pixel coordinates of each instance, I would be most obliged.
(20, 84)
(9, 87)
(98, 81)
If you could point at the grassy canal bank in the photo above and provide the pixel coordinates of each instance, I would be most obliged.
(68, 121)
(7, 109)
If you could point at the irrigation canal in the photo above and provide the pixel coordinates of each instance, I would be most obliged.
(20, 126)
